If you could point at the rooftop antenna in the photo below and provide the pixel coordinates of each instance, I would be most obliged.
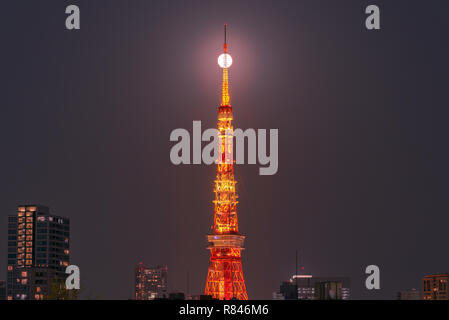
(296, 274)
(188, 282)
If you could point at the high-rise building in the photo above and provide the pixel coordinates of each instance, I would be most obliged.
(225, 274)
(435, 287)
(38, 252)
(150, 283)
(411, 294)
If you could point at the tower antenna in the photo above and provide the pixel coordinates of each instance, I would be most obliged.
(225, 32)
(225, 46)
(188, 282)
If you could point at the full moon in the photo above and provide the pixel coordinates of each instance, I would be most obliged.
(224, 60)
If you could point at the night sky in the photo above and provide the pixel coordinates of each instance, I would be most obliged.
(363, 178)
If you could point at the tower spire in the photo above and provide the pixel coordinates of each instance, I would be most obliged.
(225, 45)
(225, 61)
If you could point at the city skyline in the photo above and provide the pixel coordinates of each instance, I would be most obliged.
(362, 177)
(150, 283)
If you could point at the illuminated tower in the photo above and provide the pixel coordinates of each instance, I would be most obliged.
(225, 275)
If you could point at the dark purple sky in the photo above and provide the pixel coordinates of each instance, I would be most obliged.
(362, 117)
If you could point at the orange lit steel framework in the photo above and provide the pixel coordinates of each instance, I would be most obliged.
(225, 275)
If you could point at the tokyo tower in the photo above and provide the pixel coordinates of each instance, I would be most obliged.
(225, 275)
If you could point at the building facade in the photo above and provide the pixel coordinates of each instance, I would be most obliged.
(435, 287)
(38, 252)
(150, 283)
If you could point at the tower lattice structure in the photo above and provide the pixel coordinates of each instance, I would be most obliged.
(225, 279)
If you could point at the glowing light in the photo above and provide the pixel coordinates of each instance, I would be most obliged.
(225, 60)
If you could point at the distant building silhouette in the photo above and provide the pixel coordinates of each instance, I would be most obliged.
(435, 287)
(38, 252)
(2, 290)
(288, 291)
(278, 296)
(328, 290)
(176, 296)
(411, 294)
(307, 288)
(150, 283)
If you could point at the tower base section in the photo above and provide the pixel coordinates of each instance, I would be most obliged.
(225, 275)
